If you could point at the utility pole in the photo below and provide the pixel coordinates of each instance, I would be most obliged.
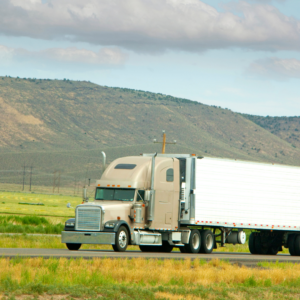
(56, 180)
(164, 142)
(75, 184)
(31, 167)
(24, 171)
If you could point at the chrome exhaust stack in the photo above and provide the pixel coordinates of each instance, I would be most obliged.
(150, 194)
(103, 161)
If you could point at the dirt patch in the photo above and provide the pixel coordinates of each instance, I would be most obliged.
(42, 297)
(10, 113)
(164, 295)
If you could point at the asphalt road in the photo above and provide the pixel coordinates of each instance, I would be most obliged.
(240, 258)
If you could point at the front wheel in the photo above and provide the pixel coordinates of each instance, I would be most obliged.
(73, 247)
(121, 239)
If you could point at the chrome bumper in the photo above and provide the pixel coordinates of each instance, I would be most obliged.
(79, 237)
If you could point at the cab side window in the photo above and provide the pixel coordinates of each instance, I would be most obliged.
(140, 196)
(170, 175)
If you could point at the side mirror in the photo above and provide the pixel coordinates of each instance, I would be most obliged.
(69, 205)
(84, 195)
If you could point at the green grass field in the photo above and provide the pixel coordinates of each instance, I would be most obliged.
(30, 224)
(54, 205)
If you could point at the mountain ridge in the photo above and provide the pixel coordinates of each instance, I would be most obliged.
(50, 118)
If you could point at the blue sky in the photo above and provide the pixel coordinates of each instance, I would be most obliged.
(242, 55)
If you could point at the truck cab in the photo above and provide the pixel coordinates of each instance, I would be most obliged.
(133, 205)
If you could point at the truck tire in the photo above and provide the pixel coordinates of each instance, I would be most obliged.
(251, 243)
(73, 247)
(182, 249)
(145, 248)
(165, 247)
(121, 239)
(259, 248)
(291, 244)
(194, 243)
(273, 250)
(297, 245)
(207, 242)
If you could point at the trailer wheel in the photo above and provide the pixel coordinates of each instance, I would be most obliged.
(259, 248)
(297, 245)
(251, 243)
(207, 241)
(291, 244)
(73, 247)
(121, 240)
(182, 249)
(273, 250)
(194, 243)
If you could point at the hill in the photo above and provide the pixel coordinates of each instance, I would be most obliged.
(63, 125)
(286, 128)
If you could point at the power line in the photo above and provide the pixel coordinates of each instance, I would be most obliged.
(56, 180)
(24, 172)
(30, 178)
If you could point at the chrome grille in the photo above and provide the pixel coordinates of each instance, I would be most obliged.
(88, 218)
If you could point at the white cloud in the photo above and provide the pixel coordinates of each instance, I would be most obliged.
(105, 56)
(276, 68)
(26, 4)
(267, 1)
(152, 25)
(6, 53)
(234, 91)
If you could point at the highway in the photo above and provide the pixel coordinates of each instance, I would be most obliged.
(239, 258)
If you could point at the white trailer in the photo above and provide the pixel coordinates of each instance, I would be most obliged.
(233, 193)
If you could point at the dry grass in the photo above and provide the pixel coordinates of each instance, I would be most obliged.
(141, 271)
(140, 278)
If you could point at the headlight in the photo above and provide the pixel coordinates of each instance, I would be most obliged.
(110, 225)
(71, 224)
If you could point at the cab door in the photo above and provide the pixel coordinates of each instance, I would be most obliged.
(166, 185)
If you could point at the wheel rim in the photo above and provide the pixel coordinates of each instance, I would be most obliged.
(122, 239)
(195, 241)
(209, 241)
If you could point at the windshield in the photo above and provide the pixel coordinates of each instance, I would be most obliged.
(114, 194)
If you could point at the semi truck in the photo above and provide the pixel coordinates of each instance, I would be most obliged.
(162, 201)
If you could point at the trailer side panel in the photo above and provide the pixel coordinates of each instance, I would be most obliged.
(241, 194)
